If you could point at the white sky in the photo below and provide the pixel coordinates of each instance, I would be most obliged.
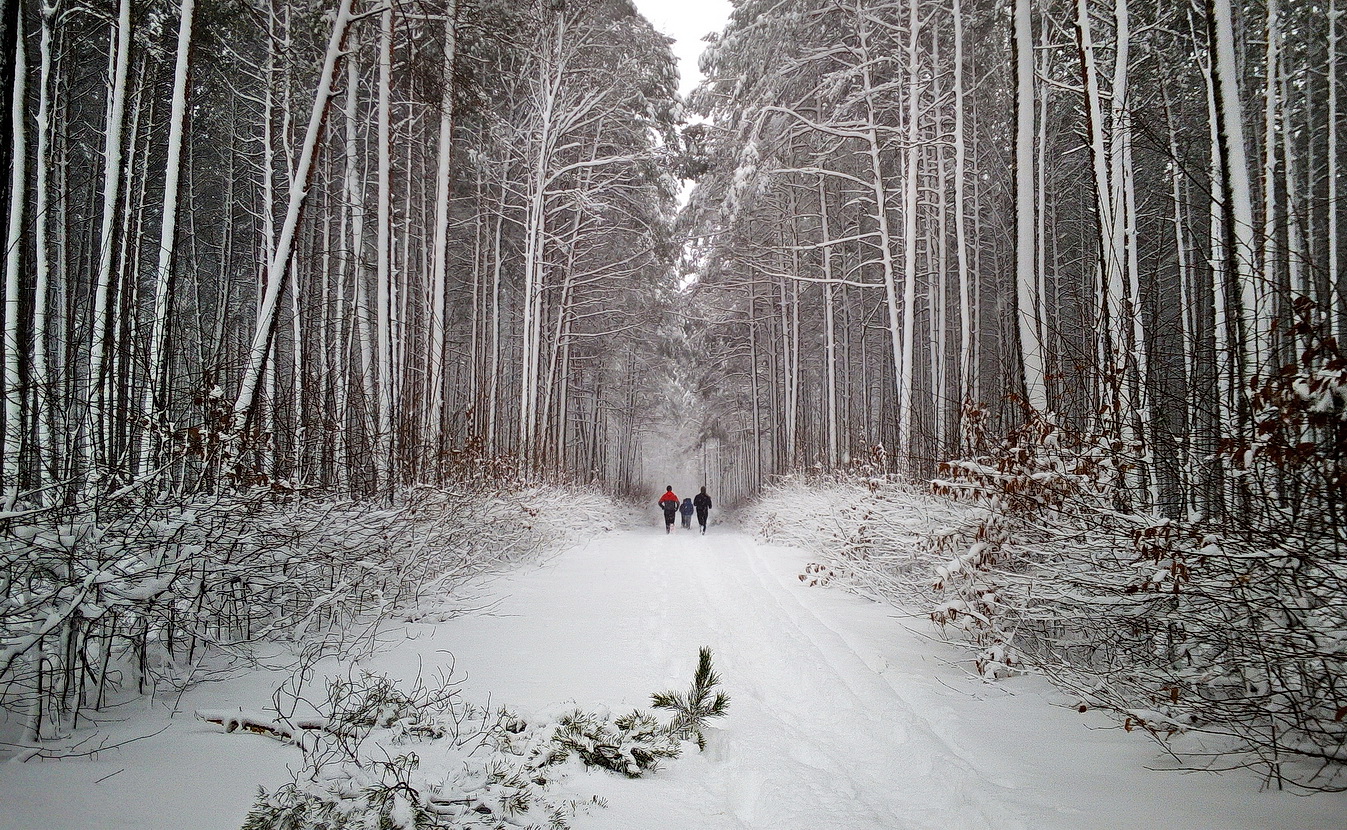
(687, 21)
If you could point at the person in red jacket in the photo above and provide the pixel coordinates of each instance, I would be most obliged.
(669, 504)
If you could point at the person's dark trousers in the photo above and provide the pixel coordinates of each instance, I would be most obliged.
(701, 519)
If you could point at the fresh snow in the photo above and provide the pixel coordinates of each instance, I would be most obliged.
(843, 714)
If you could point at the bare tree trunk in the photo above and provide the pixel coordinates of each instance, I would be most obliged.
(153, 403)
(829, 329)
(91, 441)
(493, 405)
(1254, 318)
(47, 456)
(967, 356)
(299, 187)
(1337, 303)
(1027, 316)
(879, 192)
(11, 465)
(439, 257)
(383, 324)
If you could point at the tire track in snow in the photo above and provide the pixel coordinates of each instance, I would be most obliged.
(815, 737)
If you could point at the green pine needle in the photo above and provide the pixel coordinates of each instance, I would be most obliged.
(700, 704)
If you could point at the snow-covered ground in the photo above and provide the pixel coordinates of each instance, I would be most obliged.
(842, 715)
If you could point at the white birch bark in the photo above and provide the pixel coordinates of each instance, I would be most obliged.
(439, 256)
(383, 447)
(151, 405)
(10, 466)
(299, 187)
(90, 442)
(1031, 350)
(1254, 316)
(47, 457)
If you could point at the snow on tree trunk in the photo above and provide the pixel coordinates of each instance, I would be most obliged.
(1337, 302)
(46, 454)
(967, 354)
(299, 187)
(13, 341)
(440, 254)
(1026, 299)
(90, 439)
(1254, 315)
(152, 403)
(383, 324)
(879, 192)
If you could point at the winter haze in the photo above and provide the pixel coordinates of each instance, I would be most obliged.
(755, 414)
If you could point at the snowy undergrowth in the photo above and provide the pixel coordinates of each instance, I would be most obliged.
(97, 606)
(1228, 645)
(877, 536)
(377, 755)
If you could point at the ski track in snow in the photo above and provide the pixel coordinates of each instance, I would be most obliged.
(840, 717)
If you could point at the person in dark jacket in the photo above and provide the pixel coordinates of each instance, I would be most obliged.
(702, 504)
(669, 504)
(686, 510)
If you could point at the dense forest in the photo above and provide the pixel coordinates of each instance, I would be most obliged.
(1080, 263)
(918, 223)
(338, 246)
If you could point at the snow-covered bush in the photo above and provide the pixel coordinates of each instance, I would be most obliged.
(1223, 637)
(379, 756)
(877, 535)
(98, 604)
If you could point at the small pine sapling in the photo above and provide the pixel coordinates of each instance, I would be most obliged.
(700, 704)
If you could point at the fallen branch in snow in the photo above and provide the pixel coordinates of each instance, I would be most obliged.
(470, 769)
(259, 723)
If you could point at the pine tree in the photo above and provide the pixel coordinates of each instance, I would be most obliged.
(694, 709)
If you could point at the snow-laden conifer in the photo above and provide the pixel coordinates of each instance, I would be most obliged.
(701, 702)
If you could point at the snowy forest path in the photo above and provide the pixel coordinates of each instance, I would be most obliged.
(842, 714)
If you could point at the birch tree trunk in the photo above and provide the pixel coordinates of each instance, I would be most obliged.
(1031, 350)
(383, 324)
(299, 187)
(91, 440)
(1240, 250)
(153, 403)
(439, 256)
(12, 464)
(47, 458)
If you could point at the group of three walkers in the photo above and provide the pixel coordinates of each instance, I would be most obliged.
(700, 504)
